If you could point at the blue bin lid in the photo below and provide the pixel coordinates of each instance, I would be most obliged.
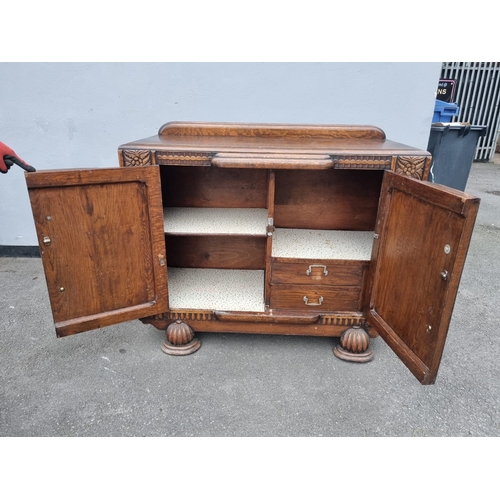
(448, 107)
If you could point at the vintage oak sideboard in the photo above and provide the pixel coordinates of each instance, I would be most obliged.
(325, 230)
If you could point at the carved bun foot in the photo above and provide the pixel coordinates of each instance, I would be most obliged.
(354, 346)
(180, 340)
(180, 350)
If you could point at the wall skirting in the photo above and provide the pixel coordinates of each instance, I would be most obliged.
(19, 251)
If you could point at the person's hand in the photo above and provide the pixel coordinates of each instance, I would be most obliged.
(8, 157)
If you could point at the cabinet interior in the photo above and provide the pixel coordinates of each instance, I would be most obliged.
(224, 229)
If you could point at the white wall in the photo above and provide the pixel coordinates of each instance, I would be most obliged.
(67, 115)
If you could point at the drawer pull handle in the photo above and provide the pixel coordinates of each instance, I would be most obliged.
(309, 270)
(306, 301)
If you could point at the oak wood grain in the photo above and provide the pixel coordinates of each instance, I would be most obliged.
(260, 328)
(217, 252)
(272, 161)
(330, 199)
(105, 257)
(312, 272)
(319, 298)
(271, 193)
(213, 187)
(100, 235)
(417, 262)
(288, 318)
(270, 130)
(199, 143)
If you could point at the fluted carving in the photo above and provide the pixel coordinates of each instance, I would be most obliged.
(180, 340)
(354, 346)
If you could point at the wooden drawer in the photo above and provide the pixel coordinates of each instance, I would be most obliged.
(318, 272)
(315, 298)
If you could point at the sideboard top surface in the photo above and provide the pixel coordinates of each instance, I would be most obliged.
(272, 138)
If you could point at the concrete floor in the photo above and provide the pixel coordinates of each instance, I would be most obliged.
(117, 382)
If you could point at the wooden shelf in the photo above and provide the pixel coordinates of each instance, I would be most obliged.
(322, 244)
(216, 289)
(233, 221)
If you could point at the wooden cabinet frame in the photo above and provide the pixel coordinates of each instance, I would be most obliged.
(307, 230)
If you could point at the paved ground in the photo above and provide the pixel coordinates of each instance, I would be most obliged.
(117, 382)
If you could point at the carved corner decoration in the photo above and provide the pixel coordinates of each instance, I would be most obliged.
(136, 157)
(412, 166)
(181, 158)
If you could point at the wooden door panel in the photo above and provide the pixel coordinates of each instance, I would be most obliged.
(101, 235)
(424, 233)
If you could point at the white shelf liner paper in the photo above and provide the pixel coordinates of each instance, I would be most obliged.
(189, 220)
(216, 289)
(322, 244)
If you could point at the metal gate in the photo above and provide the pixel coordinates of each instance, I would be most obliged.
(478, 97)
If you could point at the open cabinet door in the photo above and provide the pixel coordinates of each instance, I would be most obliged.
(424, 232)
(100, 233)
